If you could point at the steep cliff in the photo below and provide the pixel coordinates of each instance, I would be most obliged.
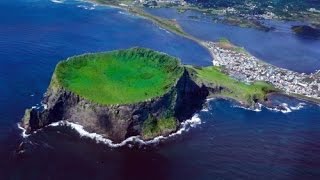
(148, 118)
(133, 92)
(118, 122)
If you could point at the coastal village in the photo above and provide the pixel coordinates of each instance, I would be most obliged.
(245, 67)
(154, 3)
(241, 65)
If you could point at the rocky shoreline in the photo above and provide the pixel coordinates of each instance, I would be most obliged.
(241, 65)
(116, 122)
(147, 118)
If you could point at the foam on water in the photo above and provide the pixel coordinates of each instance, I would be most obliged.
(256, 109)
(298, 107)
(125, 13)
(163, 29)
(205, 110)
(23, 134)
(284, 108)
(287, 108)
(44, 106)
(185, 127)
(86, 7)
(314, 10)
(57, 1)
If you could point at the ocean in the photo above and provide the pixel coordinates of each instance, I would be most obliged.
(223, 141)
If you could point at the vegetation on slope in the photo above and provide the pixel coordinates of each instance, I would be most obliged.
(246, 93)
(168, 24)
(153, 127)
(113, 2)
(119, 77)
(225, 43)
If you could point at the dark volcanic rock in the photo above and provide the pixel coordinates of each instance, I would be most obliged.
(306, 31)
(116, 122)
(190, 97)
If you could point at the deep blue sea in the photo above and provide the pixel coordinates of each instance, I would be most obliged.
(229, 143)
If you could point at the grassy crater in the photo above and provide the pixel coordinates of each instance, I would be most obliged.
(119, 77)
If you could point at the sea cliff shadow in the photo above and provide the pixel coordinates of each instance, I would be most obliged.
(190, 98)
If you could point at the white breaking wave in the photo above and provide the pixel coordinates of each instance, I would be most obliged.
(124, 13)
(57, 1)
(121, 12)
(314, 10)
(205, 110)
(44, 106)
(185, 127)
(287, 108)
(89, 2)
(23, 134)
(298, 107)
(128, 14)
(86, 7)
(284, 108)
(257, 109)
(168, 32)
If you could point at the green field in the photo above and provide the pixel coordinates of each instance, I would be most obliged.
(119, 77)
(246, 93)
(168, 24)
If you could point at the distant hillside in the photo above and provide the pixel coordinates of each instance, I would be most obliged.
(260, 5)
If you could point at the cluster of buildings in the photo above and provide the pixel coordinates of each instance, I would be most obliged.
(155, 3)
(247, 68)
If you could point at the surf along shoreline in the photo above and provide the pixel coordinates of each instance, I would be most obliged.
(174, 31)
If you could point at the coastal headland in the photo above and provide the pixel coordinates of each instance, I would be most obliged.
(134, 92)
(122, 93)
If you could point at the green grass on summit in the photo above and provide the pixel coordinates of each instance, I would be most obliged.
(119, 77)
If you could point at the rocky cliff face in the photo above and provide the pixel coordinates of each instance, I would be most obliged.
(116, 122)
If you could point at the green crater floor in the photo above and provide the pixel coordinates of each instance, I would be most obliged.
(119, 77)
